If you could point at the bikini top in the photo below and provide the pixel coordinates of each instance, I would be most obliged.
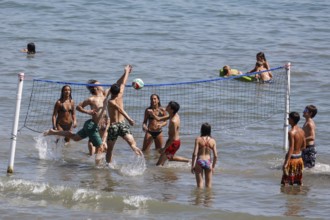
(160, 114)
(63, 109)
(206, 142)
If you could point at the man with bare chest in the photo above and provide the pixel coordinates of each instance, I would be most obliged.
(309, 153)
(293, 165)
(91, 126)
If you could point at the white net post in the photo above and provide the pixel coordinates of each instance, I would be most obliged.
(287, 107)
(10, 168)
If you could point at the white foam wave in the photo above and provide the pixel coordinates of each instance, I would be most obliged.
(136, 201)
(319, 168)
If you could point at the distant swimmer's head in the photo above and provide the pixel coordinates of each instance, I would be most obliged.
(31, 48)
(226, 70)
(115, 89)
(261, 56)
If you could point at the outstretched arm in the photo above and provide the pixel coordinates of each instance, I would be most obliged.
(124, 77)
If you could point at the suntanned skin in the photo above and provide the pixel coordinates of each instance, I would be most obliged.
(296, 142)
(63, 119)
(117, 114)
(96, 103)
(150, 124)
(203, 152)
(309, 129)
(173, 135)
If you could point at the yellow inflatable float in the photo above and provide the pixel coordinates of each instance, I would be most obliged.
(235, 72)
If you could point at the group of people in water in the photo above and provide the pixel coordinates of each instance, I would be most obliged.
(261, 65)
(109, 121)
(302, 151)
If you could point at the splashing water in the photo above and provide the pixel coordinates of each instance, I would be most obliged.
(135, 167)
(49, 148)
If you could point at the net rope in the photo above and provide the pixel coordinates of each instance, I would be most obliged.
(225, 103)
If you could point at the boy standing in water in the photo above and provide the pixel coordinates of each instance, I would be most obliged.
(173, 142)
(309, 153)
(293, 165)
(117, 114)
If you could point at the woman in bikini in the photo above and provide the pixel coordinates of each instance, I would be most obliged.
(152, 127)
(64, 115)
(202, 164)
(261, 57)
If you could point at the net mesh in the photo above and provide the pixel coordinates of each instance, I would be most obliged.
(225, 103)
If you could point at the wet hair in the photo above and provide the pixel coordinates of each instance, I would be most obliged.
(151, 100)
(31, 48)
(91, 89)
(312, 109)
(261, 55)
(62, 92)
(206, 129)
(225, 69)
(295, 117)
(259, 64)
(174, 106)
(115, 89)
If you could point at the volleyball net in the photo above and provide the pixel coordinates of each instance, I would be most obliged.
(225, 103)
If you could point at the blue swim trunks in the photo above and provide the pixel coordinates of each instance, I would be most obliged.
(309, 156)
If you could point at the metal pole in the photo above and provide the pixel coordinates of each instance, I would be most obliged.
(287, 106)
(15, 123)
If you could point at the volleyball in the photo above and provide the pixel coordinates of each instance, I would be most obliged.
(137, 84)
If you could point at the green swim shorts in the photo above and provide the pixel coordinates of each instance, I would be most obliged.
(91, 130)
(118, 129)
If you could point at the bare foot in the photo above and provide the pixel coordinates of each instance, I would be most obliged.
(49, 132)
(138, 152)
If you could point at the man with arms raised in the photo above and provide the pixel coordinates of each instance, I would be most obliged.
(293, 164)
(117, 114)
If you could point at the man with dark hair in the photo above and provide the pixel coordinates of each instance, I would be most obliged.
(309, 153)
(91, 126)
(117, 114)
(293, 165)
(173, 142)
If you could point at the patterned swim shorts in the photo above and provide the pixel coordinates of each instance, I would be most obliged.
(118, 129)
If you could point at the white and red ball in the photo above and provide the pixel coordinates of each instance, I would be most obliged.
(137, 84)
